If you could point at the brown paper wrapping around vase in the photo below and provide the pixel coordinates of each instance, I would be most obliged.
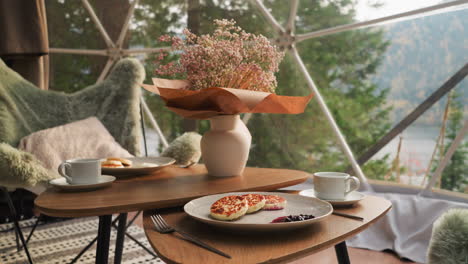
(209, 102)
(222, 106)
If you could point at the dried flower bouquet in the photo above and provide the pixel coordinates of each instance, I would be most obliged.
(228, 72)
(230, 57)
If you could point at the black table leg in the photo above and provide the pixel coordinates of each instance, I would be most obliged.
(91, 243)
(342, 253)
(34, 228)
(119, 242)
(102, 249)
(18, 247)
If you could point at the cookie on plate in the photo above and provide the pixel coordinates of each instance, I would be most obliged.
(229, 208)
(112, 164)
(274, 202)
(125, 162)
(255, 201)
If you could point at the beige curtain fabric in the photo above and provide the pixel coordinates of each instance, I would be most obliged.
(24, 43)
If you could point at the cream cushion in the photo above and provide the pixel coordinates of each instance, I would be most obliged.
(86, 138)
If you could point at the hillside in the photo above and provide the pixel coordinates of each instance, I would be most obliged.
(423, 53)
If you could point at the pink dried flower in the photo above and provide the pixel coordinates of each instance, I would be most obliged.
(164, 38)
(230, 57)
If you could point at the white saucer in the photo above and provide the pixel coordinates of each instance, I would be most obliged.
(62, 184)
(351, 198)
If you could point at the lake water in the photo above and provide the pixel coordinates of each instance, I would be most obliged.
(418, 143)
(152, 142)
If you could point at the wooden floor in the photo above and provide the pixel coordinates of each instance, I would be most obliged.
(327, 256)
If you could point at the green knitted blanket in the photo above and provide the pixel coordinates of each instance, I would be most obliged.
(25, 109)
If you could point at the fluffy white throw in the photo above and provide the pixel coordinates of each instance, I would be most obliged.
(406, 228)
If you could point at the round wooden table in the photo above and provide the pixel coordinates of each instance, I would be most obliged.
(261, 247)
(169, 187)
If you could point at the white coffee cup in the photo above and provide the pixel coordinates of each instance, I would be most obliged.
(81, 171)
(334, 185)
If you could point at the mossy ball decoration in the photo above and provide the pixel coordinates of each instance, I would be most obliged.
(449, 243)
(185, 149)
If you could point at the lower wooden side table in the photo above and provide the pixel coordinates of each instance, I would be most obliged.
(261, 247)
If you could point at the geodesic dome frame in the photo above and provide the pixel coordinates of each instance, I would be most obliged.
(285, 39)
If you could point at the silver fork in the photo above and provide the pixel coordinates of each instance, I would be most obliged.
(163, 228)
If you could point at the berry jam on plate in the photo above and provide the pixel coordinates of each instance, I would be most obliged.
(292, 218)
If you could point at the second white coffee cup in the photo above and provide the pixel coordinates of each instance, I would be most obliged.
(334, 185)
(81, 171)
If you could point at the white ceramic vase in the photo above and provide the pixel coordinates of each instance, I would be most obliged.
(225, 148)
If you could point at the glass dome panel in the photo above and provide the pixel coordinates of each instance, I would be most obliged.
(372, 78)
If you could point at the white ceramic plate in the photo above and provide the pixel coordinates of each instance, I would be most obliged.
(141, 165)
(351, 198)
(261, 221)
(62, 184)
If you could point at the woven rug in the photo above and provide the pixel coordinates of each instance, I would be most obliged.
(60, 242)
